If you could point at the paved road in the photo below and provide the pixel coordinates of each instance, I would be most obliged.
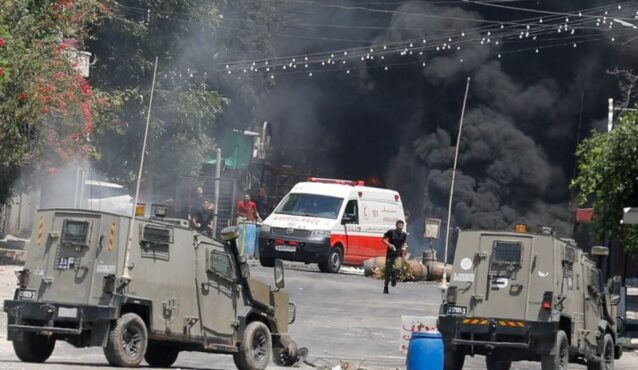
(340, 317)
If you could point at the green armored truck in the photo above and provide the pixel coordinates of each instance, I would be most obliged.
(181, 291)
(524, 296)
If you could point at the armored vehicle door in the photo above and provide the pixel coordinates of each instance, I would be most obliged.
(217, 292)
(592, 294)
(502, 276)
(69, 249)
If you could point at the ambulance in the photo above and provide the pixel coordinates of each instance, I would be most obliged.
(329, 222)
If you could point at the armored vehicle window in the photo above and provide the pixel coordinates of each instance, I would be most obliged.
(75, 232)
(507, 252)
(156, 234)
(221, 264)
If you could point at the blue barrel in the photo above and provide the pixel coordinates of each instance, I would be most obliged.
(425, 351)
(247, 238)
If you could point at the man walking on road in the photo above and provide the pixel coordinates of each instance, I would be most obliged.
(395, 241)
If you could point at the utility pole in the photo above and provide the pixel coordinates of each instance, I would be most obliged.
(449, 207)
(218, 174)
(127, 252)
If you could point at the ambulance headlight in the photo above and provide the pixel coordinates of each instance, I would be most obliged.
(265, 228)
(320, 233)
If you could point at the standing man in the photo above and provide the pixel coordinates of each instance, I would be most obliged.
(262, 202)
(395, 241)
(247, 209)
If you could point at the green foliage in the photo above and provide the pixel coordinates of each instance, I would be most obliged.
(608, 175)
(186, 35)
(48, 112)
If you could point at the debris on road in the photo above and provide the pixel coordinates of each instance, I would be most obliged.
(411, 270)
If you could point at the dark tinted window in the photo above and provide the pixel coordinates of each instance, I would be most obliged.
(310, 205)
(157, 235)
(507, 252)
(75, 232)
(353, 211)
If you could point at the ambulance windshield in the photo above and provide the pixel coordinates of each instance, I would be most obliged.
(310, 205)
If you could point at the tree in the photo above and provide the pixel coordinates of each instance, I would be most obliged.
(48, 112)
(190, 37)
(608, 176)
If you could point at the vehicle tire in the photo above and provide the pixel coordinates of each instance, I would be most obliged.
(560, 359)
(497, 362)
(34, 347)
(161, 354)
(608, 356)
(255, 349)
(453, 359)
(266, 262)
(333, 263)
(127, 341)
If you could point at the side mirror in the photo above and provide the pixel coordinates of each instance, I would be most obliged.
(348, 218)
(599, 251)
(613, 286)
(279, 274)
(229, 233)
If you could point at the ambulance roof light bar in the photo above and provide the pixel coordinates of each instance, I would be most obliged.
(337, 181)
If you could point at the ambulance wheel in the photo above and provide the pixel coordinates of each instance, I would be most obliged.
(255, 349)
(161, 354)
(127, 341)
(453, 359)
(560, 358)
(266, 262)
(34, 347)
(607, 355)
(497, 362)
(333, 264)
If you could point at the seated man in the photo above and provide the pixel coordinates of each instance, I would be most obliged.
(203, 218)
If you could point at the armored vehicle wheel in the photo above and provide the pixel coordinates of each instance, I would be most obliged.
(608, 356)
(127, 341)
(255, 348)
(560, 357)
(453, 360)
(161, 354)
(34, 347)
(497, 362)
(333, 264)
(267, 262)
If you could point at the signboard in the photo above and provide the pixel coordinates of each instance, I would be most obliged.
(415, 324)
(432, 228)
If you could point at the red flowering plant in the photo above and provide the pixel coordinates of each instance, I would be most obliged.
(48, 110)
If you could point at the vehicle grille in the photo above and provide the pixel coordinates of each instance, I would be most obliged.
(291, 232)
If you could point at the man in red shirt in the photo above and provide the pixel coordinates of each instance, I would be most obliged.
(247, 208)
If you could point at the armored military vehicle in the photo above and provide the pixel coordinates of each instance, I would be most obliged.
(181, 291)
(525, 296)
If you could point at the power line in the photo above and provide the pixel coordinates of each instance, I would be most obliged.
(491, 4)
(506, 33)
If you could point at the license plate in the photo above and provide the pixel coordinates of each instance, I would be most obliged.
(26, 294)
(456, 310)
(285, 248)
(69, 313)
(64, 263)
